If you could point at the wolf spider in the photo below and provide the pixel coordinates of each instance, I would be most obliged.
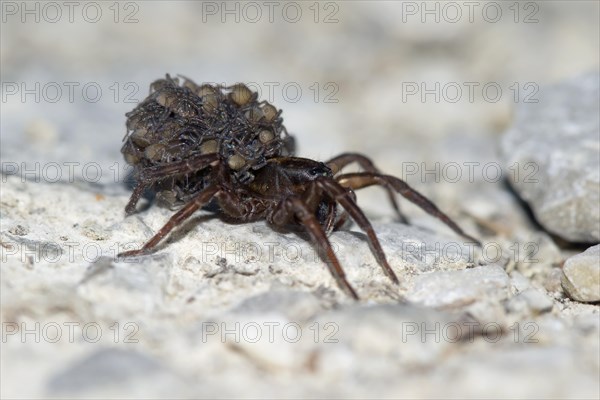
(213, 144)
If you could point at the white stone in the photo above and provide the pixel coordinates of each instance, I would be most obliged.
(458, 288)
(552, 157)
(581, 275)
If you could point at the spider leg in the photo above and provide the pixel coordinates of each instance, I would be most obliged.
(135, 197)
(182, 167)
(343, 216)
(364, 179)
(196, 203)
(330, 222)
(294, 206)
(343, 196)
(341, 221)
(337, 163)
(334, 221)
(312, 198)
(152, 174)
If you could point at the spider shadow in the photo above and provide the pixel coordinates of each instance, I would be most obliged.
(300, 232)
(183, 230)
(297, 230)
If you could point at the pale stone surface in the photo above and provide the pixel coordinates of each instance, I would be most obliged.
(229, 311)
(112, 373)
(553, 151)
(581, 275)
(182, 321)
(443, 289)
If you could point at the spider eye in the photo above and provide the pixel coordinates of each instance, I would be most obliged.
(317, 171)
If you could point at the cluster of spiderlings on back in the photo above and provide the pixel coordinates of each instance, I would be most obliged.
(177, 122)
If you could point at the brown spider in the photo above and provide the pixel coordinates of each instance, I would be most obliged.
(196, 145)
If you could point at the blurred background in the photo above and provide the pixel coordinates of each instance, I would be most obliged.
(408, 83)
(395, 80)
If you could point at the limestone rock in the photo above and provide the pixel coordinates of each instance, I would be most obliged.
(552, 157)
(581, 275)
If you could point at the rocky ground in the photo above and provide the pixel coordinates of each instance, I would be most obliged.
(241, 310)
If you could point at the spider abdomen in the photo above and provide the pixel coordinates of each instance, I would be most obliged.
(178, 122)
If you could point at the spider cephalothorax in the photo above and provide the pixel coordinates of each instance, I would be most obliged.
(209, 143)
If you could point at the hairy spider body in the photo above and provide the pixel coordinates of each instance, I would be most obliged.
(178, 123)
(200, 144)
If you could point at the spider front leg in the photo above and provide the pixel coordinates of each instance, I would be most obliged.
(149, 175)
(135, 197)
(342, 218)
(338, 163)
(347, 199)
(294, 206)
(312, 197)
(364, 179)
(196, 203)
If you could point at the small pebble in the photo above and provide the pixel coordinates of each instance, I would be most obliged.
(581, 275)
(19, 230)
